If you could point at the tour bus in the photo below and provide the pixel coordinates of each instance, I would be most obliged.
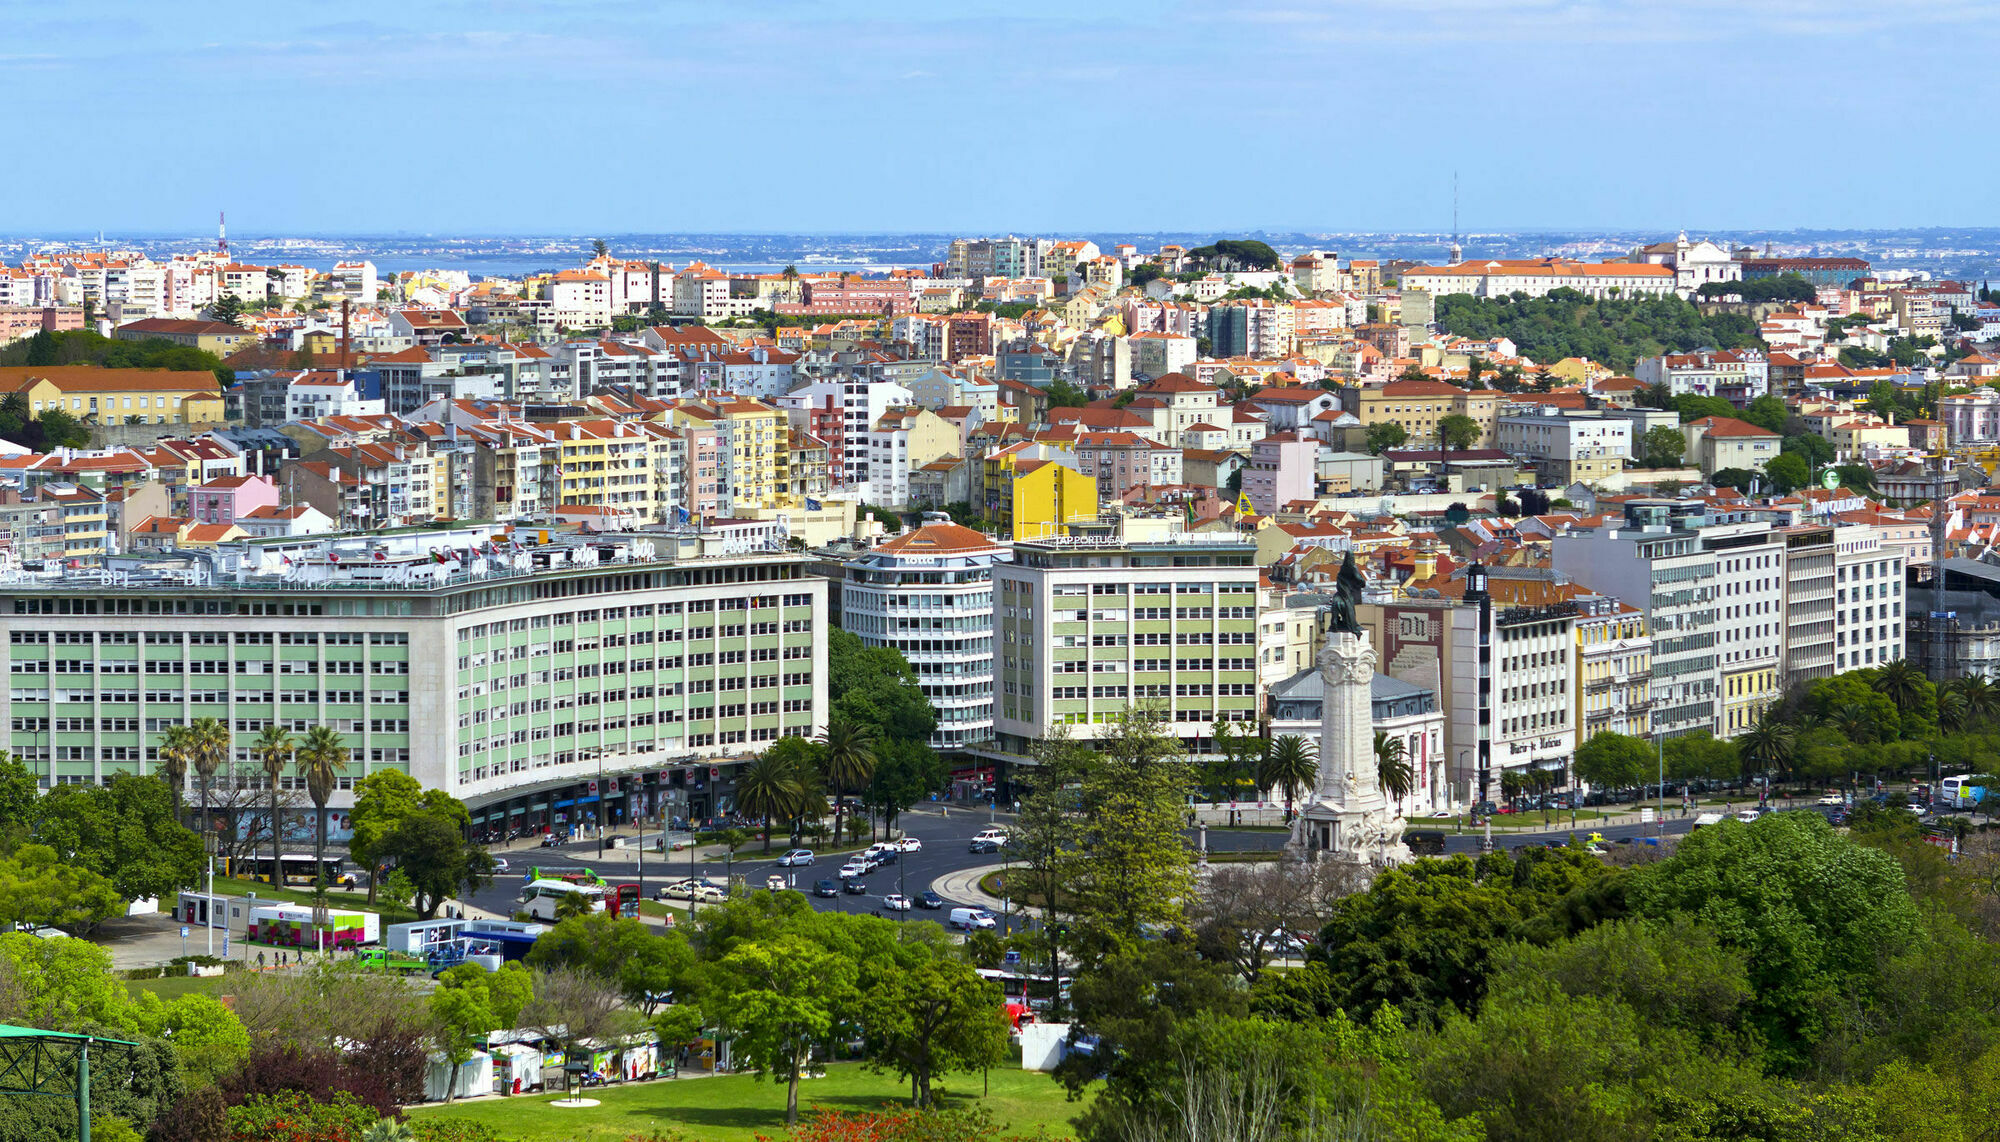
(540, 898)
(297, 869)
(1028, 989)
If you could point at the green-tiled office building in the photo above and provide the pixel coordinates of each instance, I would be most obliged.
(511, 689)
(1088, 626)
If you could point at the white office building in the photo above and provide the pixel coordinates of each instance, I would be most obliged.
(929, 594)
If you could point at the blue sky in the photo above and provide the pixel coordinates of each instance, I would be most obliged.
(621, 116)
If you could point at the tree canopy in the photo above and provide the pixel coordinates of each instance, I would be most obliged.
(1618, 332)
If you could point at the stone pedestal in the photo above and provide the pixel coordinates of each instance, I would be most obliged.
(1348, 817)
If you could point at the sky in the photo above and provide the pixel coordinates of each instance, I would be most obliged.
(972, 116)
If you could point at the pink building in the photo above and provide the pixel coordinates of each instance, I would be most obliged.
(230, 498)
(1281, 471)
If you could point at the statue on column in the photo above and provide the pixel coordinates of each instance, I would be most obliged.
(1348, 802)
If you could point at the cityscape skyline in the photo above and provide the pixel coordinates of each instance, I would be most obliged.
(1307, 93)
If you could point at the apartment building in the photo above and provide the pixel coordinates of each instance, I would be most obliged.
(929, 594)
(1567, 447)
(1418, 406)
(1654, 560)
(1614, 669)
(1736, 375)
(511, 689)
(1809, 604)
(1088, 627)
(1750, 620)
(1868, 599)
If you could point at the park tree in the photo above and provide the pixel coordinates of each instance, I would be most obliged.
(1614, 761)
(40, 889)
(383, 801)
(125, 832)
(439, 862)
(777, 1000)
(645, 966)
(1700, 755)
(905, 773)
(18, 792)
(849, 761)
(1693, 408)
(322, 758)
(1290, 764)
(1130, 869)
(1813, 913)
(875, 687)
(469, 1003)
(927, 1012)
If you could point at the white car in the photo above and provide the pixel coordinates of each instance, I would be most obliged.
(696, 890)
(850, 871)
(896, 902)
(800, 857)
(1281, 943)
(1748, 815)
(909, 845)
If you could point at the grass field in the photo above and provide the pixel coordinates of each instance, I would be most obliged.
(738, 1108)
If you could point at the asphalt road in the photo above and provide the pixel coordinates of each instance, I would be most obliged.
(945, 850)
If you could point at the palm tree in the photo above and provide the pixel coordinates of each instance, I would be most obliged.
(769, 787)
(572, 905)
(274, 748)
(850, 762)
(1901, 682)
(1768, 746)
(1854, 721)
(322, 757)
(1951, 709)
(1982, 699)
(1392, 765)
(1291, 763)
(176, 747)
(208, 739)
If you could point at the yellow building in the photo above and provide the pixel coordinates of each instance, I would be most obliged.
(1419, 405)
(756, 457)
(606, 465)
(1614, 669)
(117, 396)
(1746, 694)
(1034, 493)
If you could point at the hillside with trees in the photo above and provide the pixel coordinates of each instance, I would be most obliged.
(1615, 332)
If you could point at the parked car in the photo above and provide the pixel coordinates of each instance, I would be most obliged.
(855, 887)
(1834, 798)
(796, 857)
(1282, 943)
(826, 888)
(910, 845)
(929, 899)
(896, 902)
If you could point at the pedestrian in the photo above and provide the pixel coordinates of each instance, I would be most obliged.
(260, 961)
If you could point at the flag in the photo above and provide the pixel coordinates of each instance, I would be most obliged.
(437, 556)
(1243, 504)
(681, 516)
(812, 505)
(287, 559)
(333, 557)
(381, 556)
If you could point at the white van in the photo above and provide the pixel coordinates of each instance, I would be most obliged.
(969, 919)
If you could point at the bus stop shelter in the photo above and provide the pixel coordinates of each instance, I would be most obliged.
(53, 1064)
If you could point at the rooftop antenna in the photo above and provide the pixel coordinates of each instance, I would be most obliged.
(222, 233)
(1457, 251)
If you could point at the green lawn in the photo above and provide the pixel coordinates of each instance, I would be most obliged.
(172, 986)
(738, 1108)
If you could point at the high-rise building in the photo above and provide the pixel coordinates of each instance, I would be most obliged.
(1809, 615)
(1749, 626)
(929, 594)
(1868, 599)
(1090, 626)
(512, 680)
(1655, 560)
